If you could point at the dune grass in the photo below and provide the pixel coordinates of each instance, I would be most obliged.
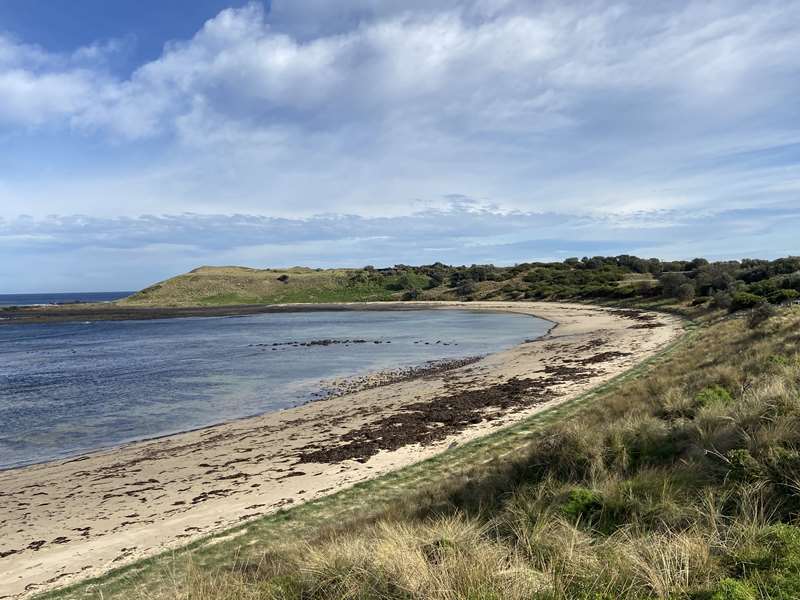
(679, 480)
(362, 502)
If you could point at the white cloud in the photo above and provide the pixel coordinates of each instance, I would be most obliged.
(33, 99)
(511, 62)
(41, 88)
(125, 253)
(371, 108)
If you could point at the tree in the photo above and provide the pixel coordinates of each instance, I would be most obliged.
(781, 296)
(697, 263)
(467, 287)
(685, 292)
(714, 277)
(671, 283)
(742, 300)
(722, 300)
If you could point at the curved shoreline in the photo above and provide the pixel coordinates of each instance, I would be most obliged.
(121, 312)
(328, 388)
(81, 517)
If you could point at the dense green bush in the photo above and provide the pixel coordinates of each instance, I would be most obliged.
(685, 292)
(467, 287)
(728, 284)
(743, 300)
(733, 589)
(722, 300)
(583, 504)
(742, 467)
(771, 562)
(713, 395)
(783, 295)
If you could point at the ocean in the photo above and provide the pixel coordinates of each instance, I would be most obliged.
(60, 298)
(70, 388)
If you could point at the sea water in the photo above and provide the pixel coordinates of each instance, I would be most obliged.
(70, 388)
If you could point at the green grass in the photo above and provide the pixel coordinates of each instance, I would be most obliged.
(321, 295)
(220, 286)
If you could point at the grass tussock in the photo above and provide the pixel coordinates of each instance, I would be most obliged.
(683, 483)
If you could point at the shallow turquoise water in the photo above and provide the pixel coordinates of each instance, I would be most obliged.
(69, 388)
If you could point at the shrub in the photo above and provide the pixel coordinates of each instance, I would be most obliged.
(467, 287)
(722, 300)
(733, 589)
(781, 296)
(583, 504)
(760, 315)
(783, 465)
(685, 292)
(742, 467)
(742, 300)
(406, 281)
(772, 562)
(671, 283)
(715, 394)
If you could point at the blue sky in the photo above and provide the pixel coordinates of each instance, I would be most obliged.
(143, 138)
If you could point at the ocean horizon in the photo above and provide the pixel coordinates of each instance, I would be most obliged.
(60, 298)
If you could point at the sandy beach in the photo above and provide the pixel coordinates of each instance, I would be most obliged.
(72, 519)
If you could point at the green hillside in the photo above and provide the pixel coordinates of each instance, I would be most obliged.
(698, 283)
(216, 286)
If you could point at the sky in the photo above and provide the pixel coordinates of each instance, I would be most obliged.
(140, 138)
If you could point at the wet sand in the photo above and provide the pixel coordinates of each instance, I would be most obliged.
(72, 519)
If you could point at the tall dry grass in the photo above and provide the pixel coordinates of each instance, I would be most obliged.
(684, 483)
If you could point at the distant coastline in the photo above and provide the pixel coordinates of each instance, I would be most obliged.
(115, 312)
(59, 298)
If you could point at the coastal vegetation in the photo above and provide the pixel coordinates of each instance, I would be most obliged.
(678, 480)
(730, 285)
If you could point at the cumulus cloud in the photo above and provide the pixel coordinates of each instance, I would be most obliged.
(585, 117)
(43, 88)
(473, 65)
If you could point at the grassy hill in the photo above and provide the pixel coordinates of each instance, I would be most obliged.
(624, 279)
(679, 480)
(215, 286)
